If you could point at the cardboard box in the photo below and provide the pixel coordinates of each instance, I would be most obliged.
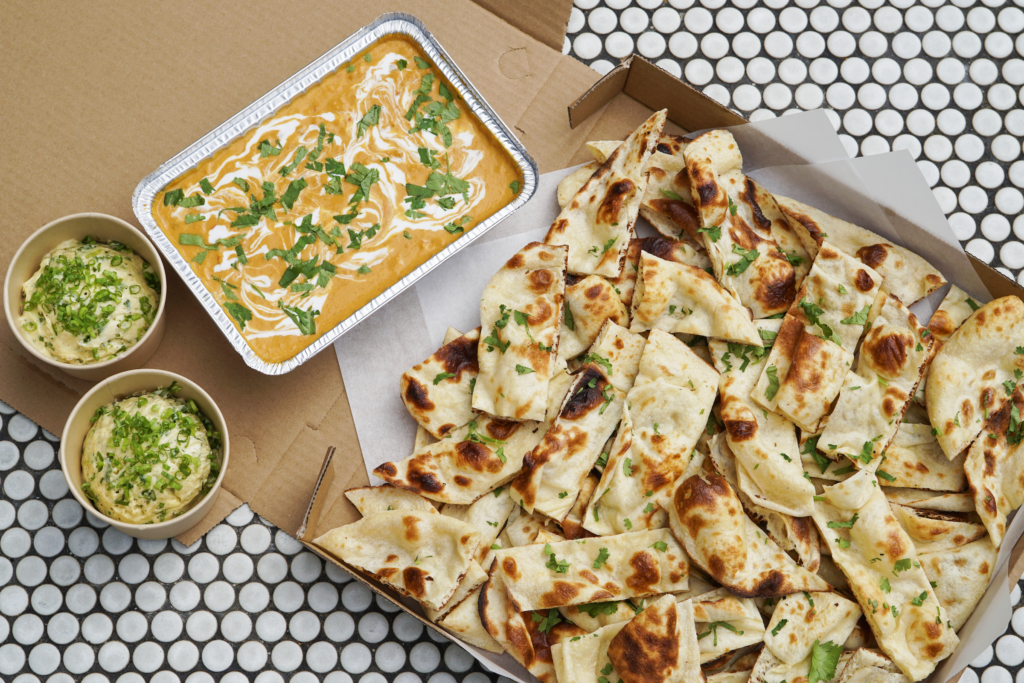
(101, 94)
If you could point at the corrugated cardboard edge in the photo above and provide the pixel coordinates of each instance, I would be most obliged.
(656, 88)
(544, 20)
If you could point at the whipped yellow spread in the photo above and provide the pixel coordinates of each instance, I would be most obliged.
(89, 302)
(148, 458)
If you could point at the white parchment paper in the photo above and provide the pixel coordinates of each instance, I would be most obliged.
(798, 156)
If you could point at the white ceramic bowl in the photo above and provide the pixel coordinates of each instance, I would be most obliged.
(104, 228)
(118, 387)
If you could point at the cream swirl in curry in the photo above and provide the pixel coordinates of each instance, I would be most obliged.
(300, 222)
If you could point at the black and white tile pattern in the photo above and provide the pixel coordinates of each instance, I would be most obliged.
(82, 602)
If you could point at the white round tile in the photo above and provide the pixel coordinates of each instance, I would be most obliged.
(168, 568)
(13, 600)
(219, 596)
(218, 655)
(113, 657)
(634, 20)
(936, 44)
(83, 542)
(236, 626)
(619, 45)
(132, 627)
(287, 656)
(1009, 201)
(27, 629)
(288, 596)
(79, 599)
(79, 658)
(305, 626)
(12, 659)
(666, 20)
(203, 568)
(272, 568)
(201, 626)
(587, 46)
(61, 628)
(44, 659)
(183, 656)
(20, 428)
(1012, 255)
(973, 199)
(167, 626)
(996, 674)
(270, 626)
(602, 20)
(778, 44)
(148, 657)
(185, 596)
(252, 656)
(47, 599)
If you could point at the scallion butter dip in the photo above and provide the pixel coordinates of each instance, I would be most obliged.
(89, 302)
(149, 458)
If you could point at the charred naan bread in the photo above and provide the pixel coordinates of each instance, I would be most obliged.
(934, 532)
(790, 533)
(771, 669)
(520, 633)
(668, 203)
(868, 666)
(572, 525)
(585, 660)
(725, 623)
(914, 459)
(657, 435)
(571, 184)
(553, 471)
(801, 620)
(464, 622)
(659, 645)
(437, 391)
(589, 303)
(875, 396)
(636, 564)
(975, 371)
(961, 576)
(474, 578)
(746, 258)
(597, 223)
(955, 308)
(520, 314)
(664, 248)
(420, 554)
(676, 297)
(488, 516)
(907, 275)
(884, 572)
(618, 351)
(465, 465)
(768, 466)
(707, 518)
(370, 500)
(815, 345)
(995, 467)
(597, 615)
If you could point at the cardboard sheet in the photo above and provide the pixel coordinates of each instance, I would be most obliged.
(884, 193)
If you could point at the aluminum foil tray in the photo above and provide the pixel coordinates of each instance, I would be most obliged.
(253, 115)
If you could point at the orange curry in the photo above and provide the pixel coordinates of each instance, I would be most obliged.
(341, 193)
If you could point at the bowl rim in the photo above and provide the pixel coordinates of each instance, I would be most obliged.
(155, 261)
(185, 382)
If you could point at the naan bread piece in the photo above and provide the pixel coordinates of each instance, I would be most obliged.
(585, 660)
(906, 274)
(820, 467)
(370, 500)
(814, 345)
(768, 466)
(875, 396)
(929, 500)
(597, 223)
(437, 392)
(771, 669)
(955, 308)
(519, 632)
(741, 676)
(868, 666)
(488, 516)
(746, 258)
(420, 554)
(464, 622)
(881, 563)
(520, 314)
(803, 619)
(589, 303)
(465, 465)
(553, 471)
(767, 217)
(676, 297)
(725, 623)
(523, 528)
(633, 565)
(665, 248)
(790, 533)
(961, 576)
(707, 518)
(995, 468)
(572, 525)
(974, 372)
(934, 532)
(657, 435)
(474, 578)
(659, 645)
(571, 184)
(915, 460)
(668, 202)
(623, 350)
(422, 439)
(597, 615)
